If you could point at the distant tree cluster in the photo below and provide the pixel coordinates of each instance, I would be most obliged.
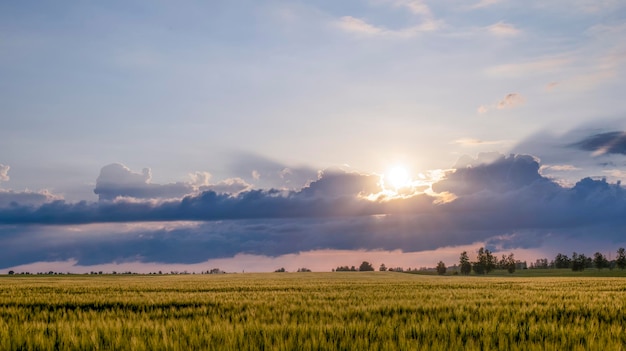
(214, 271)
(364, 267)
(345, 269)
(580, 261)
(485, 263)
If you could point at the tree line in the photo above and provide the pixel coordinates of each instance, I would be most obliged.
(364, 267)
(580, 261)
(486, 262)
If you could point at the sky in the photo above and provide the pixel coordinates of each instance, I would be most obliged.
(254, 135)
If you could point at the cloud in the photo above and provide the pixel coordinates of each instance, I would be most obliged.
(357, 25)
(604, 143)
(117, 180)
(10, 198)
(502, 29)
(564, 168)
(265, 173)
(550, 86)
(477, 142)
(533, 67)
(360, 26)
(337, 183)
(511, 100)
(589, 150)
(4, 172)
(500, 175)
(199, 179)
(501, 200)
(332, 194)
(595, 6)
(418, 8)
(484, 3)
(598, 61)
(616, 173)
(228, 186)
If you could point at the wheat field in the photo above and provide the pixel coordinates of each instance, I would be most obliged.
(311, 311)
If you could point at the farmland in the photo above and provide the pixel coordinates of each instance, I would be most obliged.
(311, 311)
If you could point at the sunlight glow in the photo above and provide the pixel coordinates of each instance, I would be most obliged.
(397, 183)
(398, 177)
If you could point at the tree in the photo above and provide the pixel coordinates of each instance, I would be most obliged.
(303, 270)
(540, 263)
(280, 270)
(509, 263)
(579, 261)
(562, 261)
(366, 267)
(502, 263)
(441, 268)
(485, 261)
(620, 261)
(466, 266)
(382, 268)
(11, 272)
(600, 261)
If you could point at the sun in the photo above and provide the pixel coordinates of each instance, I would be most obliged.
(397, 177)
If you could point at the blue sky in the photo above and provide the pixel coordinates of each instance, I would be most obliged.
(140, 106)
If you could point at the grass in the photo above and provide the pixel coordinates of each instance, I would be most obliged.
(312, 311)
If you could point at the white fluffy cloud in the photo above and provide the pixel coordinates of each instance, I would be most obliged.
(4, 172)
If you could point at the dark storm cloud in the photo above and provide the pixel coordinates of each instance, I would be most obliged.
(585, 144)
(596, 151)
(333, 194)
(604, 143)
(220, 239)
(500, 175)
(505, 203)
(508, 192)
